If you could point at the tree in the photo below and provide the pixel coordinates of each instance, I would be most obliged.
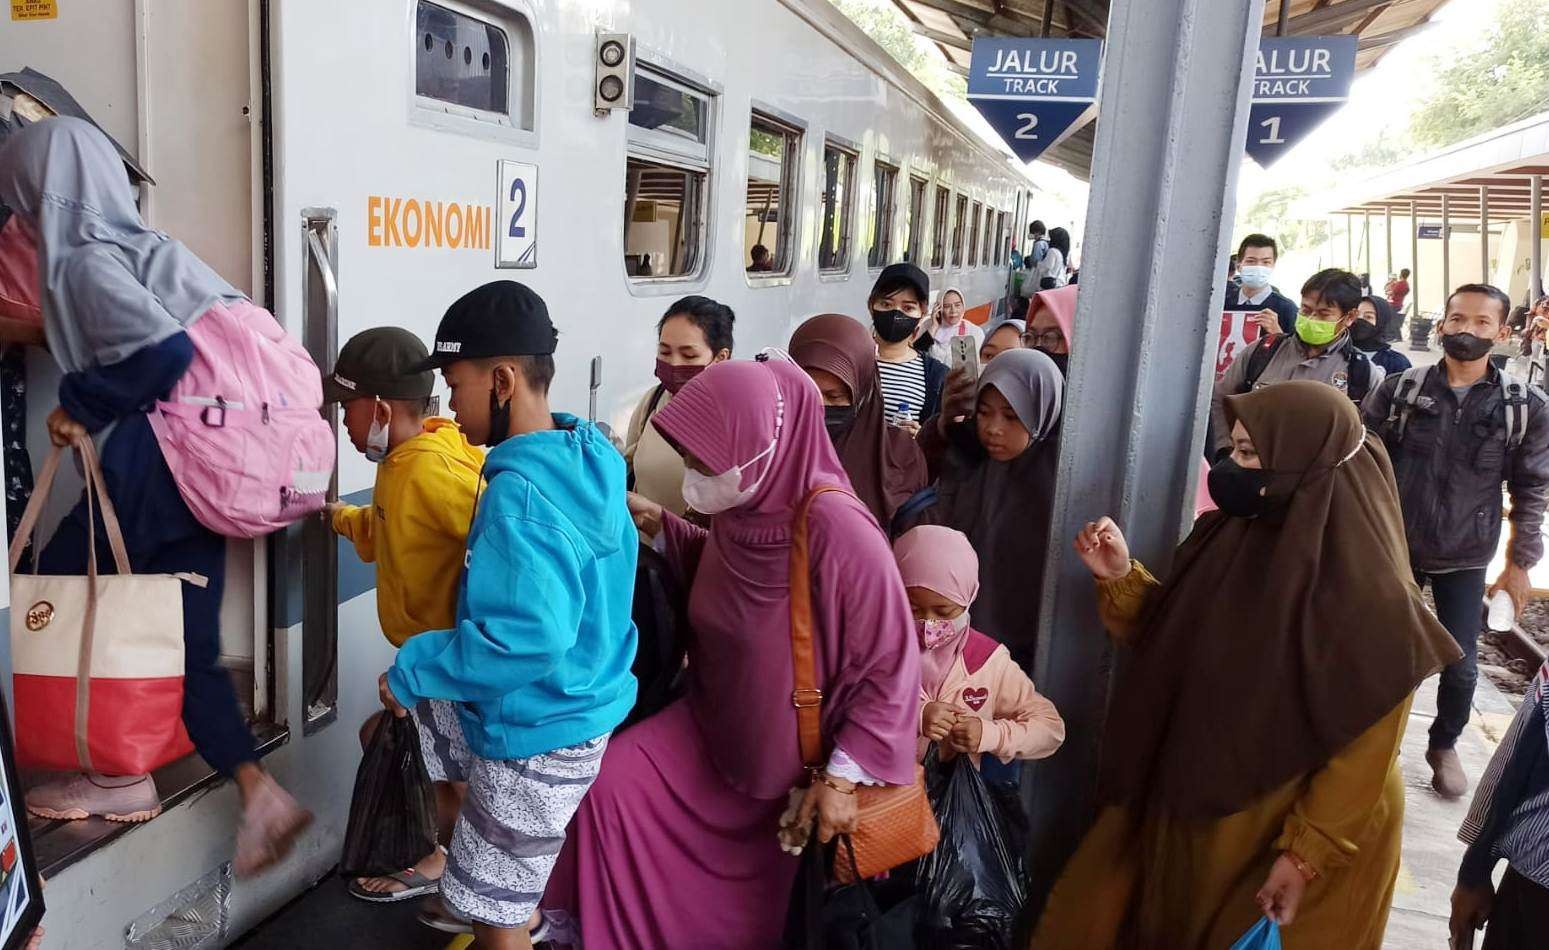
(1271, 214)
(1503, 79)
(885, 23)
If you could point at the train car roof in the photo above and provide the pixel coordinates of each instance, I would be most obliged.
(952, 25)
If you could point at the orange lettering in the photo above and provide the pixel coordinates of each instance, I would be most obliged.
(374, 221)
(478, 227)
(454, 234)
(390, 236)
(412, 238)
(433, 225)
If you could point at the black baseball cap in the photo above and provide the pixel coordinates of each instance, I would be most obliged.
(381, 362)
(501, 318)
(903, 274)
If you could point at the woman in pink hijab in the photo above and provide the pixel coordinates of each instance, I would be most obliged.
(676, 845)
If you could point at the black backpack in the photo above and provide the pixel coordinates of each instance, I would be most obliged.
(1360, 380)
(660, 613)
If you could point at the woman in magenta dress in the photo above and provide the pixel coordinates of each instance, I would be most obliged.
(676, 844)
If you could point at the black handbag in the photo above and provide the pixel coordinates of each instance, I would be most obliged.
(844, 916)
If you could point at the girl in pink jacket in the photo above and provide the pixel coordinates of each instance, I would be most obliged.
(974, 698)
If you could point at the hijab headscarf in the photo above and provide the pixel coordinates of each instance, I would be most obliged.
(1004, 507)
(1061, 304)
(884, 463)
(941, 332)
(1237, 686)
(943, 561)
(110, 285)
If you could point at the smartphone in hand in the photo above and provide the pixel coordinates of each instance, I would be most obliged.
(965, 354)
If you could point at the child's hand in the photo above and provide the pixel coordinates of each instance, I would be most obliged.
(389, 701)
(966, 733)
(329, 510)
(937, 720)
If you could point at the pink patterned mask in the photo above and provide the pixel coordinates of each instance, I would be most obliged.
(933, 633)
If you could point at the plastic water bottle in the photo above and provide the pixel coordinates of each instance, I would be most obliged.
(902, 415)
(1503, 612)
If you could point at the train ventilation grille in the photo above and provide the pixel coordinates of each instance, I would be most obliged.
(191, 919)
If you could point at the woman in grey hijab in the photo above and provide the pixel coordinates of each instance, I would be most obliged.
(116, 297)
(996, 473)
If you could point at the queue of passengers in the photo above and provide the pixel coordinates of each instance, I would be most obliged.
(1243, 776)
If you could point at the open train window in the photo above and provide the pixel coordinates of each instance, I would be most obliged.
(838, 207)
(474, 65)
(884, 181)
(959, 218)
(973, 235)
(916, 220)
(666, 176)
(774, 157)
(938, 238)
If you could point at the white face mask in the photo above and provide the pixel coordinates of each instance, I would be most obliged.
(376, 440)
(1255, 275)
(713, 494)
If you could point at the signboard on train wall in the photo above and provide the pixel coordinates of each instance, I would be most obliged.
(1035, 92)
(516, 215)
(1297, 83)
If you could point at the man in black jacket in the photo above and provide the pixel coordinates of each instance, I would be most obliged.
(1456, 433)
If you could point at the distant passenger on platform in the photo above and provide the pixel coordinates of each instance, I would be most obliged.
(694, 333)
(518, 699)
(1250, 760)
(117, 298)
(1273, 311)
(1397, 290)
(1366, 284)
(1000, 337)
(763, 262)
(884, 462)
(414, 528)
(911, 382)
(1054, 270)
(995, 447)
(1231, 269)
(947, 322)
(1369, 334)
(974, 698)
(1457, 433)
(1037, 246)
(1509, 819)
(1320, 349)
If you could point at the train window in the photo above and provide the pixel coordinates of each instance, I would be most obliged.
(938, 237)
(464, 61)
(973, 234)
(838, 207)
(916, 220)
(959, 216)
(665, 177)
(885, 184)
(774, 155)
(1000, 238)
(986, 247)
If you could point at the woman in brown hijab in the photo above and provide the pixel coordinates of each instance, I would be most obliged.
(1250, 761)
(884, 463)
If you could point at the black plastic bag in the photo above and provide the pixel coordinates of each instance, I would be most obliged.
(660, 613)
(970, 887)
(393, 812)
(822, 916)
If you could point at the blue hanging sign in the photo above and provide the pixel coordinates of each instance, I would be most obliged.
(1297, 83)
(1035, 92)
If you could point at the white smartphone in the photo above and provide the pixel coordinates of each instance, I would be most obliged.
(965, 354)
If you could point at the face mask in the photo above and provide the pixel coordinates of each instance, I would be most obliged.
(1466, 347)
(893, 326)
(1316, 332)
(1061, 360)
(376, 440)
(1365, 335)
(933, 633)
(713, 494)
(837, 419)
(499, 419)
(1255, 276)
(674, 378)
(1238, 491)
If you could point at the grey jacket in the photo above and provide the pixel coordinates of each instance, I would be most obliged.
(1450, 465)
(1290, 361)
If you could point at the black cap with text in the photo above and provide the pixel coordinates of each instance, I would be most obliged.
(382, 362)
(501, 318)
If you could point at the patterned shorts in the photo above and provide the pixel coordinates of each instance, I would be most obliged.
(513, 818)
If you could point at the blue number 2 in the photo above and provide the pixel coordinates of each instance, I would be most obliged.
(518, 192)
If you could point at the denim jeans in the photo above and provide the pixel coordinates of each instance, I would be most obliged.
(1459, 599)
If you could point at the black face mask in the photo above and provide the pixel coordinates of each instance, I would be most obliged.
(1061, 360)
(1238, 491)
(499, 419)
(1365, 336)
(838, 419)
(893, 326)
(1466, 347)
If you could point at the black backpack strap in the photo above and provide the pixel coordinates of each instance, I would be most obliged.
(1514, 393)
(1405, 396)
(1259, 359)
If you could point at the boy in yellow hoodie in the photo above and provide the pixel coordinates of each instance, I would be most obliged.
(416, 527)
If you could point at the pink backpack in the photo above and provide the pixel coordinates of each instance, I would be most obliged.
(241, 431)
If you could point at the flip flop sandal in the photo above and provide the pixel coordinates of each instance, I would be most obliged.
(414, 884)
(445, 921)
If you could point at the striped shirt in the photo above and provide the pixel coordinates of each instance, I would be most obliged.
(903, 388)
(1510, 814)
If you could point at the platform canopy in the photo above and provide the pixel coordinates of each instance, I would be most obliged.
(953, 24)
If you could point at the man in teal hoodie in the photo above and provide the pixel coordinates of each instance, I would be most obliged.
(518, 699)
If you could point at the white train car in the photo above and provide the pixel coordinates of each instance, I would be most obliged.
(355, 163)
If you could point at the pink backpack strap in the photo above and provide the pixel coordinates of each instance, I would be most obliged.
(977, 651)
